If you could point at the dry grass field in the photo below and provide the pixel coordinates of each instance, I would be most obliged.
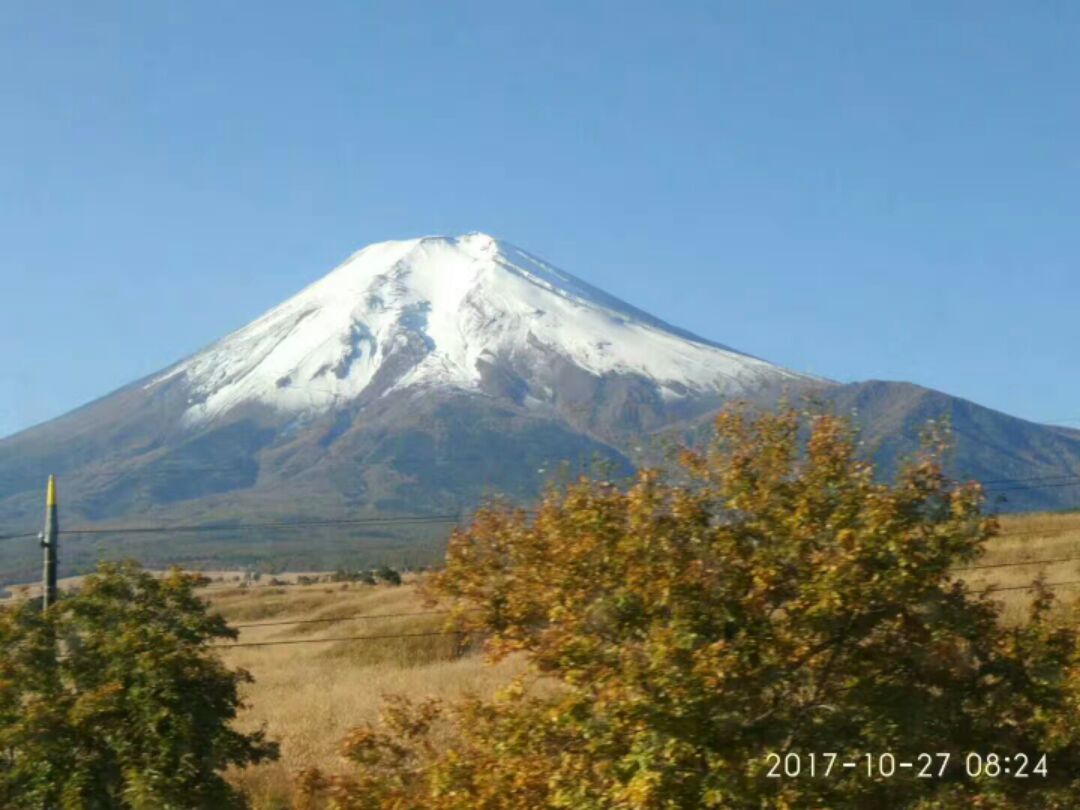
(309, 695)
(1030, 546)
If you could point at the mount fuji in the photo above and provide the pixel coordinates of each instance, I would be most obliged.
(467, 314)
(419, 377)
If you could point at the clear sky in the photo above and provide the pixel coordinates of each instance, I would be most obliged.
(858, 190)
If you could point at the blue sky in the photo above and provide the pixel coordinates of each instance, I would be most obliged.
(879, 190)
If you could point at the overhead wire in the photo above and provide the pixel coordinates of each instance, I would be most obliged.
(296, 524)
(339, 638)
(344, 522)
(993, 589)
(449, 633)
(353, 617)
(1016, 563)
(26, 536)
(172, 466)
(1070, 477)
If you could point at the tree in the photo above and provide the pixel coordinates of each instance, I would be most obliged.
(388, 575)
(134, 712)
(773, 599)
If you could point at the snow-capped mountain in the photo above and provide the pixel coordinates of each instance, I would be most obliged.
(421, 377)
(444, 312)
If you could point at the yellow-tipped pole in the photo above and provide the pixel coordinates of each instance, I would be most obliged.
(49, 542)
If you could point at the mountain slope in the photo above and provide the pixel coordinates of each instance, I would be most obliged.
(420, 377)
(1024, 465)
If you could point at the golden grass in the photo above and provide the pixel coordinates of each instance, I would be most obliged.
(1030, 540)
(308, 696)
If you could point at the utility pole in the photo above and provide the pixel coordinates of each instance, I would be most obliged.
(49, 539)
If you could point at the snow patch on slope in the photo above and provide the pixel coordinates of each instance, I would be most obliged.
(424, 312)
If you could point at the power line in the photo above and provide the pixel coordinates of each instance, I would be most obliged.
(26, 536)
(352, 617)
(330, 523)
(1029, 587)
(298, 524)
(418, 520)
(157, 469)
(173, 466)
(1050, 534)
(180, 469)
(992, 487)
(1069, 476)
(1057, 482)
(435, 634)
(339, 638)
(1008, 564)
(1034, 488)
(301, 524)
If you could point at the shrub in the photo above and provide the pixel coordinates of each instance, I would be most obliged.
(388, 575)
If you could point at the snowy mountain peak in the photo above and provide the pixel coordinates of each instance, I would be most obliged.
(451, 312)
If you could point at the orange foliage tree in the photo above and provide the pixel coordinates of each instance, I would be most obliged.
(685, 633)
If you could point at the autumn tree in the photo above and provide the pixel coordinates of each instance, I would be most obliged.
(114, 698)
(772, 598)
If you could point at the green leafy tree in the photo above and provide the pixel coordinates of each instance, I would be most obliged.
(114, 699)
(773, 599)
